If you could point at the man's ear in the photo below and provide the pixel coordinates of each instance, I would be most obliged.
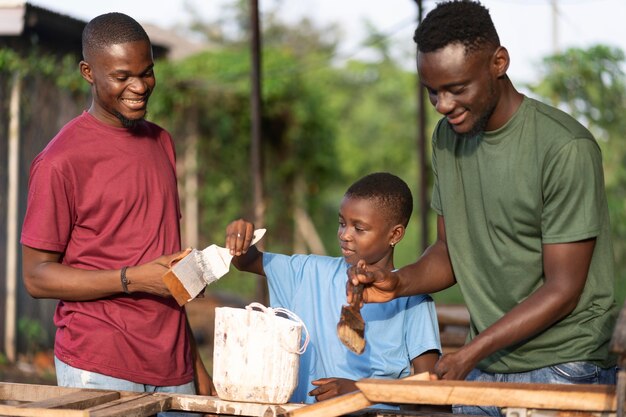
(501, 61)
(85, 71)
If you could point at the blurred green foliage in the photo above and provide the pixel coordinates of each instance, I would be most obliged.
(590, 84)
(328, 122)
(33, 333)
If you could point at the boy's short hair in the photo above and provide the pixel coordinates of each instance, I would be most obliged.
(459, 21)
(111, 29)
(389, 192)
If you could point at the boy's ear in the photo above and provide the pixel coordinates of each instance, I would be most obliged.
(397, 234)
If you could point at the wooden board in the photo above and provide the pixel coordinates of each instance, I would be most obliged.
(452, 315)
(46, 400)
(344, 404)
(138, 405)
(30, 392)
(75, 400)
(208, 404)
(543, 396)
(337, 406)
(6, 410)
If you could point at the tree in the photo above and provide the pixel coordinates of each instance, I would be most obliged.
(590, 84)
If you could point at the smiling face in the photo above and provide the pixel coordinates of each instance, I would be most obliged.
(365, 233)
(463, 86)
(122, 79)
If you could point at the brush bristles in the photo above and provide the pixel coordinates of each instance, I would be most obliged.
(353, 339)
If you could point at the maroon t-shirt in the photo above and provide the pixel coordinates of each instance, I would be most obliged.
(105, 198)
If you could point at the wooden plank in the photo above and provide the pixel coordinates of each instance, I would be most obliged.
(41, 399)
(214, 405)
(31, 392)
(337, 406)
(452, 315)
(133, 405)
(621, 392)
(76, 400)
(543, 396)
(345, 404)
(6, 410)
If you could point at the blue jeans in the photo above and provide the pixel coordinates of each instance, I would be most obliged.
(563, 373)
(68, 376)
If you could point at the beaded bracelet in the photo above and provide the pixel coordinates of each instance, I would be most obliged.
(125, 281)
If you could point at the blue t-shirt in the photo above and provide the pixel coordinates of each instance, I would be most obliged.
(314, 287)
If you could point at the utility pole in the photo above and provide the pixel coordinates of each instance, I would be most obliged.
(256, 166)
(10, 333)
(555, 26)
(422, 167)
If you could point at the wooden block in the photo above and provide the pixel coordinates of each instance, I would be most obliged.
(176, 287)
(543, 396)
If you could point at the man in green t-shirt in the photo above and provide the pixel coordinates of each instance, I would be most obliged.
(522, 224)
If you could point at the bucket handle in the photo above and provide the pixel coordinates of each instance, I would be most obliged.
(288, 313)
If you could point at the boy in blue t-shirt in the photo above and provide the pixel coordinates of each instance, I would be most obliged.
(400, 335)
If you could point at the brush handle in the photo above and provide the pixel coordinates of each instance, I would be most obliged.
(357, 296)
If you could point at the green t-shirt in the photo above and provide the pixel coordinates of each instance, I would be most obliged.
(503, 194)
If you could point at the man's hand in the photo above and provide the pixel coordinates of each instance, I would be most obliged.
(455, 366)
(332, 387)
(149, 276)
(380, 285)
(46, 277)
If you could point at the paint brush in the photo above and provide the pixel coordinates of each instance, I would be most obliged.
(351, 326)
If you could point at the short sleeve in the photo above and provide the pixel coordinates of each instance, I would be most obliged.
(573, 188)
(421, 326)
(50, 212)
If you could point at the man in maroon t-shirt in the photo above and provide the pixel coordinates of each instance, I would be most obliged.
(102, 226)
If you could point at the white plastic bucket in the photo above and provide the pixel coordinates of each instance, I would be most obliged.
(256, 354)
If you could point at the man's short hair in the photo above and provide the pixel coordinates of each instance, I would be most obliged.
(111, 29)
(459, 21)
(389, 192)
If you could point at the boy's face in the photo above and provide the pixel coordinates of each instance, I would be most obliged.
(122, 79)
(364, 232)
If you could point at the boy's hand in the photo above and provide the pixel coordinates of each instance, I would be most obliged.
(380, 285)
(331, 387)
(239, 234)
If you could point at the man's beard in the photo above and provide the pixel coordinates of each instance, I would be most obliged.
(128, 123)
(479, 126)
